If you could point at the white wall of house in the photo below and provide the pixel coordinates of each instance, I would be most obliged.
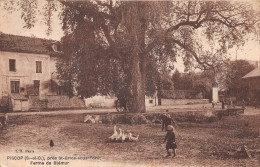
(215, 94)
(25, 73)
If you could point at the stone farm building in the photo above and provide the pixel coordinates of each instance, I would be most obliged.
(252, 85)
(28, 79)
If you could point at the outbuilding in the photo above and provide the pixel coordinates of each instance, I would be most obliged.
(252, 82)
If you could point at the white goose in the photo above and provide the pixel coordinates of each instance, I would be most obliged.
(132, 137)
(114, 135)
(123, 136)
(119, 136)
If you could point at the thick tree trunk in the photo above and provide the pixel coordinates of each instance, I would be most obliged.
(138, 59)
(143, 58)
(137, 99)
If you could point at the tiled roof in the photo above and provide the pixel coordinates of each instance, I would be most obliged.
(14, 43)
(254, 73)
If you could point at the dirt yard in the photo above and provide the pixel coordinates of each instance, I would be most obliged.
(204, 144)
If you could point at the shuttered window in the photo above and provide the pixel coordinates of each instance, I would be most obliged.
(38, 67)
(12, 65)
(15, 86)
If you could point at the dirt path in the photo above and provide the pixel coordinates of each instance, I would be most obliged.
(177, 108)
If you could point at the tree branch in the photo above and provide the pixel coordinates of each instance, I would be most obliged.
(179, 43)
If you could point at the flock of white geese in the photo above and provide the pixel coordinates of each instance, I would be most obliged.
(121, 136)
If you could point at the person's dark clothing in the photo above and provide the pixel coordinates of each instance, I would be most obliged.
(256, 104)
(163, 118)
(166, 121)
(170, 138)
(243, 104)
(223, 104)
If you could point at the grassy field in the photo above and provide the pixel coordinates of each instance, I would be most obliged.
(199, 144)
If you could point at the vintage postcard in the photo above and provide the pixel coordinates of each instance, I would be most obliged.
(129, 83)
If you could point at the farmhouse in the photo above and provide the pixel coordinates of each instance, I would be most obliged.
(28, 78)
(252, 82)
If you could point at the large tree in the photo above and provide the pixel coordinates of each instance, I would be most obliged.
(114, 41)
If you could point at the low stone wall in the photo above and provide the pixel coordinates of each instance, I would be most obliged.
(4, 104)
(181, 94)
(171, 102)
(55, 102)
(36, 103)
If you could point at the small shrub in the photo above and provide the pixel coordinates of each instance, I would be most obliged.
(137, 119)
(106, 119)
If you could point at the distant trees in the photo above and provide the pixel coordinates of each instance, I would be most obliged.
(204, 82)
(201, 82)
(177, 79)
(236, 70)
(182, 81)
(228, 77)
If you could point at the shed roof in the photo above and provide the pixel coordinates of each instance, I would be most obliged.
(15, 43)
(254, 73)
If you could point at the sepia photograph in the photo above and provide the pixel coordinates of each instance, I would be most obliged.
(146, 83)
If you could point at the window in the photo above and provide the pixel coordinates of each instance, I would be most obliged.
(12, 65)
(36, 84)
(151, 101)
(15, 86)
(56, 47)
(38, 67)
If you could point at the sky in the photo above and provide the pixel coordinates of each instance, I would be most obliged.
(11, 23)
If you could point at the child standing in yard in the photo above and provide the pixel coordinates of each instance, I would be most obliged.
(170, 138)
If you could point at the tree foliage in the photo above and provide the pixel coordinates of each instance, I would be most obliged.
(176, 78)
(183, 81)
(109, 45)
(236, 70)
(201, 81)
